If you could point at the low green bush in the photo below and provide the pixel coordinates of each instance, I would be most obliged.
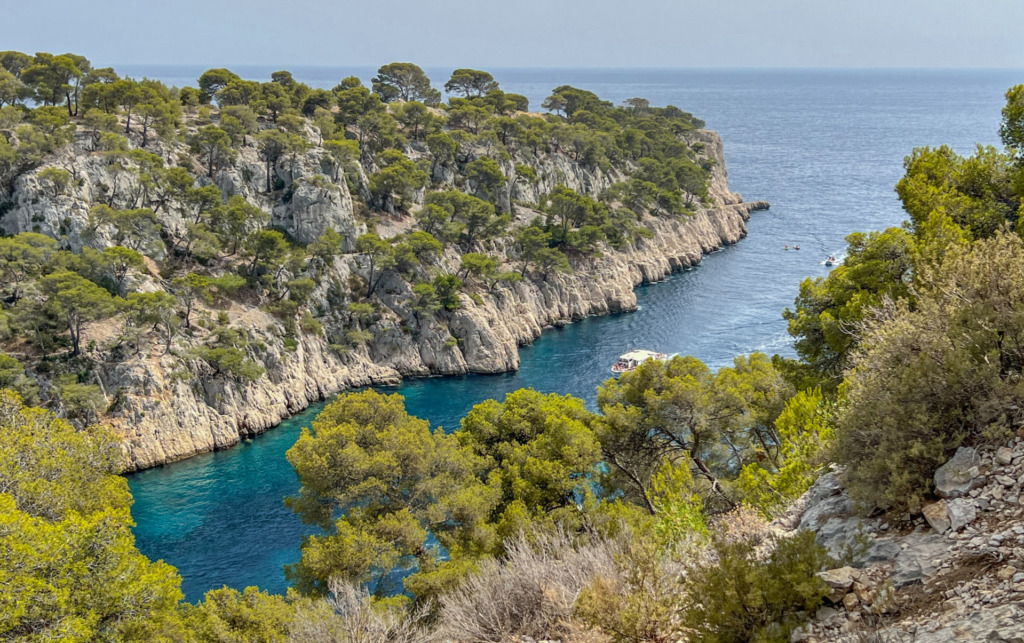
(744, 598)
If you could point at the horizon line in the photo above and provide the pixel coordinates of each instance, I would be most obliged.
(284, 67)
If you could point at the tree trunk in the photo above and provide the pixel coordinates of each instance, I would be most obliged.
(369, 282)
(75, 337)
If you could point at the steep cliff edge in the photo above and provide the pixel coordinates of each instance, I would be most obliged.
(168, 403)
(166, 418)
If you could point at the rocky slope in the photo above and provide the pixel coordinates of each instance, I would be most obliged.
(171, 406)
(956, 575)
(166, 419)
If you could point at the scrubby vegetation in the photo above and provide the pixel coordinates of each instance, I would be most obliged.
(642, 520)
(916, 337)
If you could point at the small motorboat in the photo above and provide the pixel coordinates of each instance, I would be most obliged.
(631, 360)
(796, 247)
(831, 261)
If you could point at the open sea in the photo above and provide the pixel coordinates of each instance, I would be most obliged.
(825, 147)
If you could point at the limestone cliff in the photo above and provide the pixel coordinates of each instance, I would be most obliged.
(170, 405)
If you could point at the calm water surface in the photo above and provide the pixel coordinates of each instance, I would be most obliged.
(824, 147)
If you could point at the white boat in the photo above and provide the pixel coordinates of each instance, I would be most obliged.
(631, 360)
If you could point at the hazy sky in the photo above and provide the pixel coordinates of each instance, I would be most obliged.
(526, 33)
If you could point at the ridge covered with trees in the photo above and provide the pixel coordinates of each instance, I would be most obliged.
(144, 220)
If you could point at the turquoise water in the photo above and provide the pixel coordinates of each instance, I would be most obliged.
(825, 148)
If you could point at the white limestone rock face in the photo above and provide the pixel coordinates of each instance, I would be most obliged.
(312, 209)
(168, 416)
(305, 204)
(175, 406)
(167, 419)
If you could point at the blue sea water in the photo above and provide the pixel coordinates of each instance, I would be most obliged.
(824, 147)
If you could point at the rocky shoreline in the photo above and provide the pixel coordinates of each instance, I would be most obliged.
(170, 419)
(169, 405)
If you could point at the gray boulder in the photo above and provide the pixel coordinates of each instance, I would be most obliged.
(1004, 456)
(935, 514)
(959, 475)
(961, 512)
(824, 501)
(918, 558)
(839, 581)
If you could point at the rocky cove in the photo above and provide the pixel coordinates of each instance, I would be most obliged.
(170, 407)
(219, 517)
(176, 419)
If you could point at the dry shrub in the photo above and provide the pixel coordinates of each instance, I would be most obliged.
(347, 616)
(532, 592)
(743, 524)
(641, 599)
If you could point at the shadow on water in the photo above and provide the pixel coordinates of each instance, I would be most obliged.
(824, 147)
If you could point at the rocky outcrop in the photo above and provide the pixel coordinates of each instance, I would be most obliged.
(303, 204)
(169, 405)
(172, 406)
(166, 418)
(959, 475)
(957, 574)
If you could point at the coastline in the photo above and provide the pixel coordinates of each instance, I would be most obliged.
(187, 419)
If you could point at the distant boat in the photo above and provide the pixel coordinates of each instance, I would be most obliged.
(631, 360)
(830, 261)
(796, 247)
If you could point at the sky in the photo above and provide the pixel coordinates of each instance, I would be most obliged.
(525, 33)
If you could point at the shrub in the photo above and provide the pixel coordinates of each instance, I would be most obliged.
(806, 429)
(311, 324)
(81, 401)
(229, 361)
(13, 376)
(284, 309)
(640, 598)
(744, 598)
(447, 288)
(363, 311)
(357, 337)
(229, 615)
(928, 380)
(530, 594)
